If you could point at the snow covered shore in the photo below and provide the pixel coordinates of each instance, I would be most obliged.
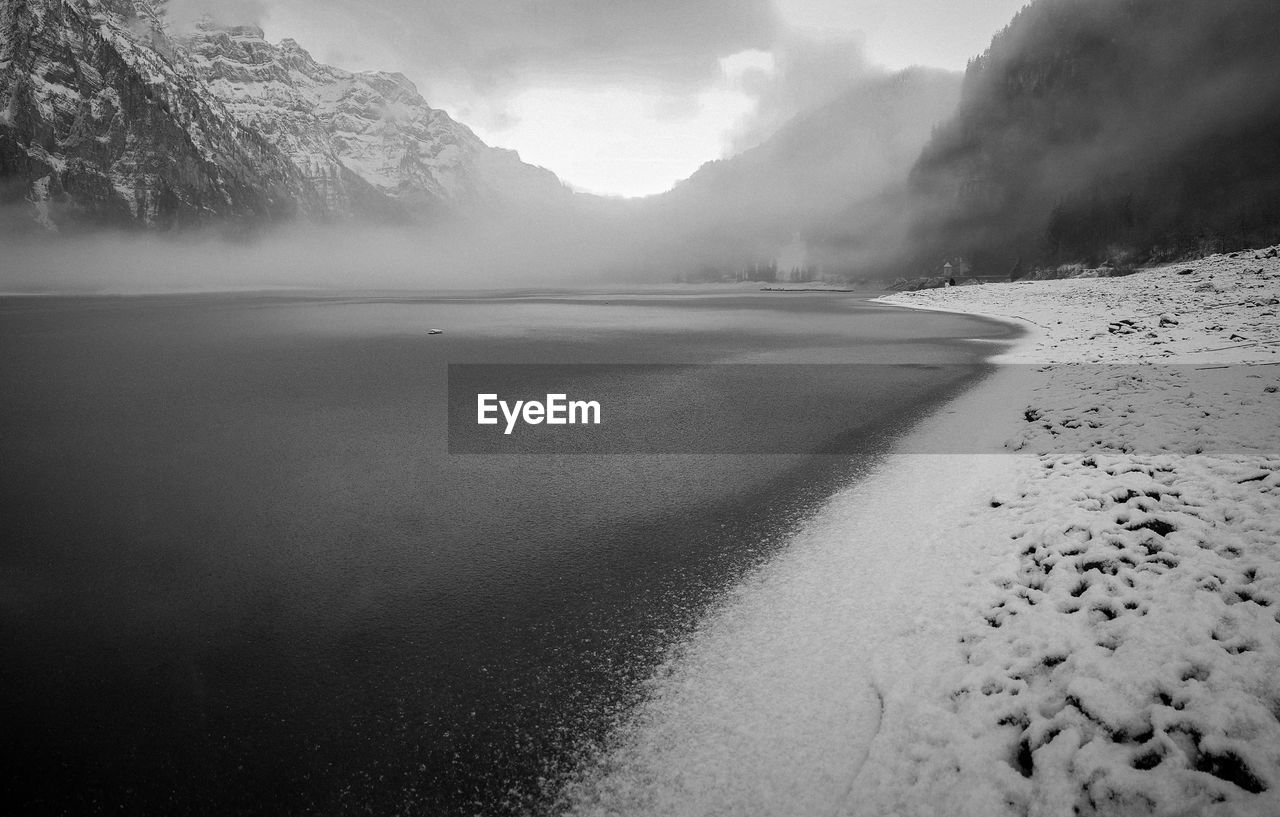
(1128, 660)
(1079, 614)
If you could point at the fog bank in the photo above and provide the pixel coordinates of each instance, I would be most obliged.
(525, 250)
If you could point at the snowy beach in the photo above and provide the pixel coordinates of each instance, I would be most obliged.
(1076, 614)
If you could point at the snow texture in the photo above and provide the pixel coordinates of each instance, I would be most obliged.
(1127, 661)
(1086, 624)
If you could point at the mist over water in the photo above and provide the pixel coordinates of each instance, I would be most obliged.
(507, 250)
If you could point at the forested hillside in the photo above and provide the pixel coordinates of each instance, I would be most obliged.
(1127, 130)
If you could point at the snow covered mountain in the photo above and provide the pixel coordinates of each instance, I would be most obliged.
(349, 130)
(103, 118)
(106, 118)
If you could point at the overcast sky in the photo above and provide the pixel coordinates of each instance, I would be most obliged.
(627, 96)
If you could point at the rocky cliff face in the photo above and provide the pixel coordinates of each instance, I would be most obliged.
(354, 133)
(106, 118)
(102, 119)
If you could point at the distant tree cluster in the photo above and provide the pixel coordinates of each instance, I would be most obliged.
(761, 271)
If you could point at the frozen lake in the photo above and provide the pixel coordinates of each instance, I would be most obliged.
(241, 572)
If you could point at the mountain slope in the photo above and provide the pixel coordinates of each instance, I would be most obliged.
(346, 130)
(106, 119)
(814, 172)
(1129, 129)
(101, 118)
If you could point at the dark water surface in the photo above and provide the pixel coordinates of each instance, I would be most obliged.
(240, 573)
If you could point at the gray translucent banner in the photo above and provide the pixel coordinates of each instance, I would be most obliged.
(689, 409)
(851, 409)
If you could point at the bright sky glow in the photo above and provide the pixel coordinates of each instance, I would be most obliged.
(627, 133)
(618, 142)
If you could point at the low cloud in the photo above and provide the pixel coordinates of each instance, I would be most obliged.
(549, 247)
(183, 14)
(806, 73)
(500, 45)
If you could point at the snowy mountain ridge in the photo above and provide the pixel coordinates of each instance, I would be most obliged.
(374, 124)
(106, 118)
(103, 117)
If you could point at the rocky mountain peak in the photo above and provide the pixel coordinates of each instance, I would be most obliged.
(108, 118)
